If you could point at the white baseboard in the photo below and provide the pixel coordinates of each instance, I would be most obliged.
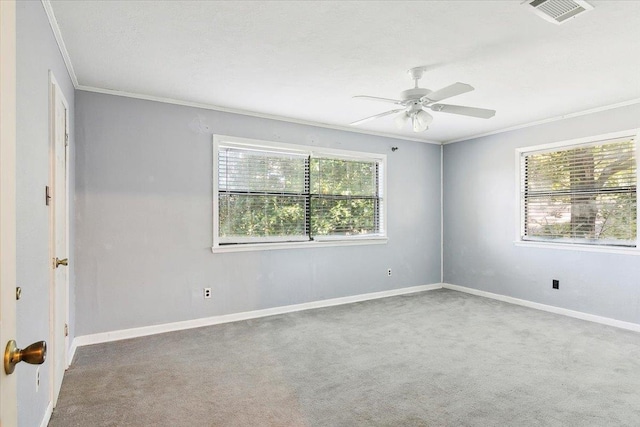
(72, 352)
(47, 415)
(216, 320)
(235, 317)
(557, 310)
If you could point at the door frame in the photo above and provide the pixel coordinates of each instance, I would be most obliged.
(59, 349)
(8, 390)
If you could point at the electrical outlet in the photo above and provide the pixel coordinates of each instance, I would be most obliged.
(555, 284)
(37, 379)
(207, 293)
(389, 272)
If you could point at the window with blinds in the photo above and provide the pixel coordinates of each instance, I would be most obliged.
(288, 193)
(345, 197)
(262, 196)
(584, 194)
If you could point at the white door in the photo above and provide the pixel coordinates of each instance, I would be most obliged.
(8, 399)
(59, 237)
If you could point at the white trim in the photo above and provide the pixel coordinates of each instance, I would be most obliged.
(549, 120)
(518, 198)
(215, 216)
(67, 60)
(55, 94)
(249, 113)
(47, 415)
(549, 308)
(345, 128)
(578, 247)
(299, 245)
(67, 183)
(442, 213)
(235, 317)
(244, 240)
(303, 150)
(8, 166)
(282, 242)
(557, 146)
(53, 22)
(72, 352)
(628, 133)
(383, 194)
(349, 238)
(123, 334)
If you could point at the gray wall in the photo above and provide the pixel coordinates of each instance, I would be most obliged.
(37, 53)
(480, 226)
(144, 220)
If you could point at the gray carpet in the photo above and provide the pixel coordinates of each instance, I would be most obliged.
(437, 358)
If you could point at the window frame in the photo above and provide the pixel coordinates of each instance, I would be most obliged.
(318, 241)
(568, 144)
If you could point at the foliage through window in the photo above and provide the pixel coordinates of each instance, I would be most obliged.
(583, 194)
(269, 193)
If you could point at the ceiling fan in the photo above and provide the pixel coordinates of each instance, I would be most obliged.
(415, 102)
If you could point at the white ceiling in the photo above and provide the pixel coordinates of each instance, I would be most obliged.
(304, 60)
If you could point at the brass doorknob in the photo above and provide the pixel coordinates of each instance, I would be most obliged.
(35, 354)
(60, 262)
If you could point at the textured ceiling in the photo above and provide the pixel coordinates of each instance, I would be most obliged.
(305, 59)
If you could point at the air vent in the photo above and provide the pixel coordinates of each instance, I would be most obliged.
(558, 11)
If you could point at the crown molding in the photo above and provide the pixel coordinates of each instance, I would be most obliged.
(74, 79)
(548, 120)
(58, 36)
(67, 60)
(247, 113)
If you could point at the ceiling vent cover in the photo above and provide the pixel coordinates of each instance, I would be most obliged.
(558, 11)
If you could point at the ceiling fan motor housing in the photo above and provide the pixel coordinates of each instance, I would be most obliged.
(415, 93)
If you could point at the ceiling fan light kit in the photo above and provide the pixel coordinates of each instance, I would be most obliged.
(416, 101)
(421, 121)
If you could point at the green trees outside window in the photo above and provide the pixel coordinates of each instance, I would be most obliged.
(344, 197)
(583, 194)
(266, 196)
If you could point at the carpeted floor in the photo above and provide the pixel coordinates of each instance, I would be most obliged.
(437, 358)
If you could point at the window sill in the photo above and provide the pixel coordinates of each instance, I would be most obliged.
(578, 247)
(298, 245)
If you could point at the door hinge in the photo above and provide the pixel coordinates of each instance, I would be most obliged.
(47, 195)
(66, 330)
(66, 139)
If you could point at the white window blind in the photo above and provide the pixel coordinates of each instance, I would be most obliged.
(345, 197)
(270, 196)
(583, 194)
(261, 196)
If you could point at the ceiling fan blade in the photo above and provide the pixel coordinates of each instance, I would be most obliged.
(481, 113)
(448, 92)
(377, 116)
(376, 98)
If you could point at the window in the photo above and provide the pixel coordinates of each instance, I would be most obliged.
(580, 193)
(283, 194)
